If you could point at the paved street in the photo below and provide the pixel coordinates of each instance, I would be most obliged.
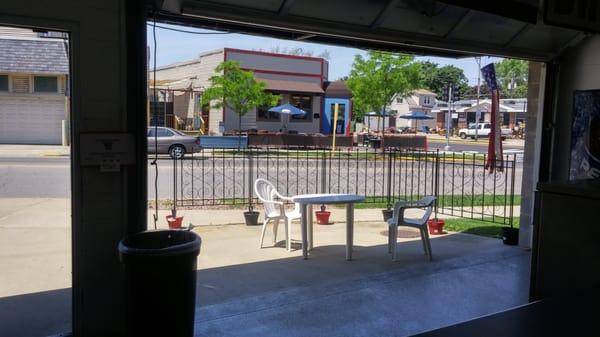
(35, 177)
(48, 177)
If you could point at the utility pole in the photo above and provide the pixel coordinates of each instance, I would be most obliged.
(477, 112)
(448, 118)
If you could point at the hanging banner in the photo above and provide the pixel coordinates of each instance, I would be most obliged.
(585, 136)
(494, 160)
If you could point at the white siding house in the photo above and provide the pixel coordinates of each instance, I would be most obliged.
(421, 100)
(33, 82)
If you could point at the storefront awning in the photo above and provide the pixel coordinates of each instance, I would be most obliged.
(292, 86)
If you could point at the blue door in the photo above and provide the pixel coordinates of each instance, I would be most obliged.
(343, 121)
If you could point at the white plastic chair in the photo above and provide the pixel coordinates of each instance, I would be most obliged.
(275, 210)
(398, 219)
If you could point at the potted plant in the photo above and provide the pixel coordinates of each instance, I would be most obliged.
(322, 216)
(173, 220)
(436, 226)
(251, 216)
(510, 235)
(387, 213)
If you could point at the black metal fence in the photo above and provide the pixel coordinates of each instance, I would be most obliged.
(464, 188)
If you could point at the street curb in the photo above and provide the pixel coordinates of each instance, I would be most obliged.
(54, 154)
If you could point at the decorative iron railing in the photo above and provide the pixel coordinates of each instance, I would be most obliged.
(464, 188)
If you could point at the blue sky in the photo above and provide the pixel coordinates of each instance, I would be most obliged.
(176, 46)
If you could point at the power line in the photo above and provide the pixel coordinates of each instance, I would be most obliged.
(189, 31)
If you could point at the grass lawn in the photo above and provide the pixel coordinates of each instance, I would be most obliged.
(446, 201)
(478, 227)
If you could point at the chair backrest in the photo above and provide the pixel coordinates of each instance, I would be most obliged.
(265, 191)
(425, 203)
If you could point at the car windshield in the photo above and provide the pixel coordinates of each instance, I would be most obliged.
(178, 132)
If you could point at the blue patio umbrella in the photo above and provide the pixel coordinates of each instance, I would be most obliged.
(288, 109)
(416, 115)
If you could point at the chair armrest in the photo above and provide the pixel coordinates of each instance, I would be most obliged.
(283, 197)
(286, 198)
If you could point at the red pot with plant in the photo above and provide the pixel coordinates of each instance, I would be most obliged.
(436, 226)
(174, 221)
(323, 216)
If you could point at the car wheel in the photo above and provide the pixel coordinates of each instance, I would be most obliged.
(463, 136)
(177, 151)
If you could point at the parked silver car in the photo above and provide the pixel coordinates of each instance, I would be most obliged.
(172, 141)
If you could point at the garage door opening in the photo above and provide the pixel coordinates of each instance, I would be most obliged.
(211, 183)
(35, 183)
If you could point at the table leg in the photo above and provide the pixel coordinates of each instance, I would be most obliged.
(304, 221)
(310, 227)
(349, 230)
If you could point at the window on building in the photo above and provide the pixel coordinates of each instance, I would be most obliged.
(305, 103)
(426, 100)
(263, 114)
(20, 84)
(3, 82)
(48, 84)
(399, 100)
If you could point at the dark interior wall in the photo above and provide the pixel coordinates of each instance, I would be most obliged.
(579, 69)
(107, 97)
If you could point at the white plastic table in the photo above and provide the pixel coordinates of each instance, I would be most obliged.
(307, 200)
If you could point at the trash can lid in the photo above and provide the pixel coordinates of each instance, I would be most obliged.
(161, 243)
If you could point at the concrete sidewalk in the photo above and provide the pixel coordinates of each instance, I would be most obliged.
(20, 150)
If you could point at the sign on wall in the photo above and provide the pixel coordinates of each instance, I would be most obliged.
(585, 136)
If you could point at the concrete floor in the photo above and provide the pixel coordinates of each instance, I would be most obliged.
(35, 266)
(244, 291)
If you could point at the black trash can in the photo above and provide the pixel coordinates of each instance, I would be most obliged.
(160, 273)
(510, 236)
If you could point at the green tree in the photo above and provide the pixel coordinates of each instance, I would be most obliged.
(238, 90)
(435, 78)
(471, 92)
(512, 76)
(376, 79)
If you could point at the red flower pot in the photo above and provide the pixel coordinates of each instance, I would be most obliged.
(436, 226)
(174, 222)
(322, 217)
